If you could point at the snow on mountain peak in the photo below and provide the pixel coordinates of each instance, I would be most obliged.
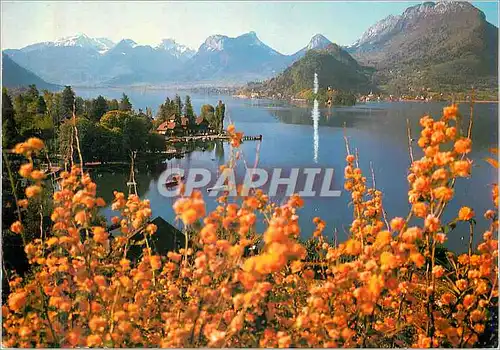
(318, 42)
(81, 40)
(215, 42)
(176, 49)
(377, 30)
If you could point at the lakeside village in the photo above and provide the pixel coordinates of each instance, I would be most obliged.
(331, 97)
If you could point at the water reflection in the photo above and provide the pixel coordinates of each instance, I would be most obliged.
(315, 117)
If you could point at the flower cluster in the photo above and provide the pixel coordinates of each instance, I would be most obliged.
(231, 286)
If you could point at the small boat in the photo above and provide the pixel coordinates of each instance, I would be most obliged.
(219, 188)
(174, 182)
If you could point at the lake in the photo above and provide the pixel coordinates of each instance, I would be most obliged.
(300, 137)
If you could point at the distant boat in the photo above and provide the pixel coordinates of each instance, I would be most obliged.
(219, 188)
(174, 182)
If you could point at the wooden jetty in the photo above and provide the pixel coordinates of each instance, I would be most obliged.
(222, 137)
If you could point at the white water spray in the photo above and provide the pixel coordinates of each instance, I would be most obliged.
(316, 84)
(315, 118)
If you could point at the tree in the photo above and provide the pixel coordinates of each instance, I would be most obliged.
(149, 113)
(99, 108)
(188, 110)
(207, 112)
(220, 110)
(178, 106)
(32, 93)
(68, 102)
(9, 131)
(41, 107)
(125, 104)
(113, 105)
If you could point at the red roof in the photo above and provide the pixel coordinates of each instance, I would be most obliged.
(162, 126)
(199, 120)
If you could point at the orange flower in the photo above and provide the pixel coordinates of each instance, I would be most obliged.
(469, 300)
(17, 227)
(17, 300)
(422, 184)
(94, 340)
(35, 143)
(463, 145)
(388, 261)
(24, 332)
(420, 209)
(100, 234)
(465, 214)
(81, 217)
(461, 168)
(418, 259)
(443, 193)
(33, 191)
(450, 112)
(438, 271)
(451, 132)
(412, 234)
(151, 229)
(432, 223)
(37, 175)
(26, 169)
(397, 224)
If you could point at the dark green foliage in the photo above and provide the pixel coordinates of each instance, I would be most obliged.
(208, 114)
(68, 102)
(9, 131)
(335, 68)
(41, 107)
(156, 142)
(113, 105)
(99, 106)
(125, 104)
(178, 106)
(188, 110)
(220, 111)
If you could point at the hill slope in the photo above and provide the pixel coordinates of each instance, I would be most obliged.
(444, 45)
(15, 76)
(335, 68)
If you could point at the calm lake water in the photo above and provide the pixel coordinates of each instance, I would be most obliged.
(298, 137)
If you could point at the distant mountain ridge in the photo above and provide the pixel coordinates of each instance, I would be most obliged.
(82, 60)
(15, 76)
(443, 45)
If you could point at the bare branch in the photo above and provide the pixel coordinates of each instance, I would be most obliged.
(410, 140)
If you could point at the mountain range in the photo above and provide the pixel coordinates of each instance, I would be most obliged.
(81, 60)
(14, 76)
(442, 45)
(449, 44)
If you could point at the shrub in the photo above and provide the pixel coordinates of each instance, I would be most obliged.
(383, 287)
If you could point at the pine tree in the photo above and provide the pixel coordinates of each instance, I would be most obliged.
(188, 110)
(99, 108)
(220, 110)
(125, 104)
(41, 107)
(9, 131)
(68, 102)
(178, 106)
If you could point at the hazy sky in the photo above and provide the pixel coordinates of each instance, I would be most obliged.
(285, 26)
